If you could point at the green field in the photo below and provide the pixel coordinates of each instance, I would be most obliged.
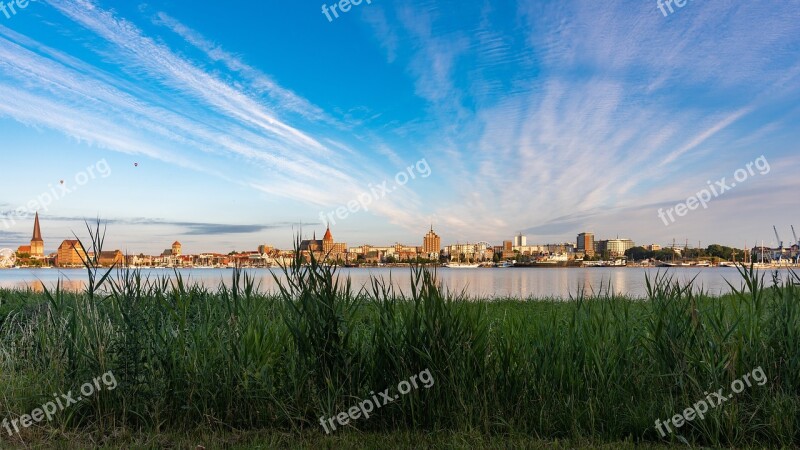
(232, 367)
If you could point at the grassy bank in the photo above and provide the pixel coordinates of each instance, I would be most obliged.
(234, 360)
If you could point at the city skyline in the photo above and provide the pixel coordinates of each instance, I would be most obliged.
(427, 248)
(205, 125)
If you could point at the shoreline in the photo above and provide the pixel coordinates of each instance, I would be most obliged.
(407, 266)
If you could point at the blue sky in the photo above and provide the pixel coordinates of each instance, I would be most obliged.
(229, 124)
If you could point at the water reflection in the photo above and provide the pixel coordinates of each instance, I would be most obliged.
(495, 283)
(38, 286)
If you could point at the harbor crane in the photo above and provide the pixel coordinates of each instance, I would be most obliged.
(796, 242)
(780, 242)
(779, 252)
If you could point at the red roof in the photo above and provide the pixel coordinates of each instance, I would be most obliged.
(328, 236)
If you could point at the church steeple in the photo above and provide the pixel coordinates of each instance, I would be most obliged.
(37, 244)
(37, 233)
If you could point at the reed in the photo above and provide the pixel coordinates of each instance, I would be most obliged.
(599, 366)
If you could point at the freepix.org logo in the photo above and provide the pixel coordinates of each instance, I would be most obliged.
(343, 6)
(10, 8)
(377, 192)
(668, 3)
(43, 201)
(718, 188)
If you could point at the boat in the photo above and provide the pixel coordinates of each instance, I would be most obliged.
(673, 264)
(462, 266)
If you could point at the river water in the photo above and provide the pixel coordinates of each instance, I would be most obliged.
(497, 283)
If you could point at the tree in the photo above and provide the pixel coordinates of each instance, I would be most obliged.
(722, 252)
(665, 254)
(638, 253)
(695, 253)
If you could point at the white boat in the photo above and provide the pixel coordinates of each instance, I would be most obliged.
(674, 264)
(462, 266)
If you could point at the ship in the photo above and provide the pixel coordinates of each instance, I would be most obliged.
(461, 266)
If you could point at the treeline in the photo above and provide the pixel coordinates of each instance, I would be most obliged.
(666, 254)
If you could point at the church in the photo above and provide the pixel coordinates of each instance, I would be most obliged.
(323, 249)
(36, 249)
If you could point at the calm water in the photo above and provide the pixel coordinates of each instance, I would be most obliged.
(514, 282)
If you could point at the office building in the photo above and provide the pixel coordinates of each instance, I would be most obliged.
(585, 244)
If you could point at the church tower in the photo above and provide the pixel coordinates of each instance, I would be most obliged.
(37, 244)
(327, 241)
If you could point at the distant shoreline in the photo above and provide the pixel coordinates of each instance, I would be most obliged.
(406, 266)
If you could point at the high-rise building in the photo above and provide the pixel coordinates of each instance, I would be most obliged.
(37, 244)
(585, 244)
(520, 240)
(431, 244)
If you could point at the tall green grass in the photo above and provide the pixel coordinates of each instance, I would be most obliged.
(599, 366)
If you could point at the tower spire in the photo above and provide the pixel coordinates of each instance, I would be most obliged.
(37, 233)
(37, 244)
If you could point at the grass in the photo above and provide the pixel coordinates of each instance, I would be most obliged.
(237, 362)
(233, 440)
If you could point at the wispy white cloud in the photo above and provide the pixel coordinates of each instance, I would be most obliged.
(606, 119)
(168, 107)
(570, 110)
(262, 83)
(702, 137)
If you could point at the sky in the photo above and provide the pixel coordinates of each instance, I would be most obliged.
(227, 125)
